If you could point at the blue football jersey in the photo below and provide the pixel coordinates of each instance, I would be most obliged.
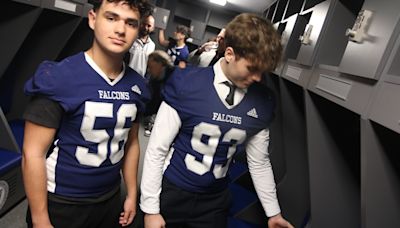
(210, 133)
(89, 143)
(178, 53)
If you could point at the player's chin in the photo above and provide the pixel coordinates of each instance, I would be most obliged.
(118, 50)
(243, 85)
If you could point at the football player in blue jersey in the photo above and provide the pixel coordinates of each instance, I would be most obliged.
(86, 106)
(208, 115)
(176, 47)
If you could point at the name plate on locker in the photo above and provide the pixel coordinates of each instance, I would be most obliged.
(335, 86)
(61, 4)
(293, 72)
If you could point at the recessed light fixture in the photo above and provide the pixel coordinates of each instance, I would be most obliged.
(219, 2)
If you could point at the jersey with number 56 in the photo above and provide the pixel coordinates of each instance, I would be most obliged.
(210, 133)
(89, 144)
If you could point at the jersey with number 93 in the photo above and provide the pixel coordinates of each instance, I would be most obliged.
(210, 133)
(89, 143)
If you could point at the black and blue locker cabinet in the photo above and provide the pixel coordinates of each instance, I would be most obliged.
(334, 154)
(293, 188)
(81, 38)
(384, 108)
(11, 185)
(271, 11)
(292, 8)
(290, 29)
(351, 91)
(371, 39)
(197, 30)
(17, 20)
(45, 41)
(161, 17)
(380, 172)
(71, 7)
(280, 10)
(380, 145)
(321, 40)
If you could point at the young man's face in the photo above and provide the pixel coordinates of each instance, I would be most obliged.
(239, 70)
(115, 26)
(147, 26)
(179, 36)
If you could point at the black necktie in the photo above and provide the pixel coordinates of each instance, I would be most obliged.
(232, 88)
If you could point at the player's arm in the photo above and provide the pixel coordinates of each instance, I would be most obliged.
(263, 178)
(129, 172)
(37, 140)
(165, 129)
(161, 38)
(42, 117)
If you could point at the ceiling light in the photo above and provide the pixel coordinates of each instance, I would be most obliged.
(219, 2)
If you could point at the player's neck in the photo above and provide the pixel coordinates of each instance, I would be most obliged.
(145, 39)
(180, 43)
(109, 64)
(224, 67)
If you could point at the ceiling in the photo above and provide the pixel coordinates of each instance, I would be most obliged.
(254, 6)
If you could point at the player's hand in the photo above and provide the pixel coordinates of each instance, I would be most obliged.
(278, 221)
(126, 217)
(154, 221)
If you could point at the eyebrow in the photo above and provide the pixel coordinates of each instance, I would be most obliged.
(253, 68)
(129, 19)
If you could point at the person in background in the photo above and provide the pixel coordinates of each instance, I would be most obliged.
(221, 48)
(204, 55)
(177, 48)
(159, 68)
(85, 110)
(142, 46)
(208, 115)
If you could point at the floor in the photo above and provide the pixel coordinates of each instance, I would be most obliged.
(15, 218)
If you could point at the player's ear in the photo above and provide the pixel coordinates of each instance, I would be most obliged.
(229, 54)
(92, 18)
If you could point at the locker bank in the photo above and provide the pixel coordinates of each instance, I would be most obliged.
(335, 137)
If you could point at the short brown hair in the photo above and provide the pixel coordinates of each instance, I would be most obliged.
(161, 57)
(254, 39)
(143, 6)
(184, 30)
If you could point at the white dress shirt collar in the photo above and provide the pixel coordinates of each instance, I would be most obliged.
(222, 89)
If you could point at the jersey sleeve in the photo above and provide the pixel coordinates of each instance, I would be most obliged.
(174, 88)
(44, 112)
(47, 82)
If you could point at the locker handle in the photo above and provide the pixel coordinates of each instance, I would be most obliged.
(305, 38)
(358, 32)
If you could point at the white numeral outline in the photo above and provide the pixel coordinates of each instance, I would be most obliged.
(209, 149)
(92, 111)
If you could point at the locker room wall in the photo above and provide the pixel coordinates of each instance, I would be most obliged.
(341, 92)
(205, 21)
(337, 130)
(33, 31)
